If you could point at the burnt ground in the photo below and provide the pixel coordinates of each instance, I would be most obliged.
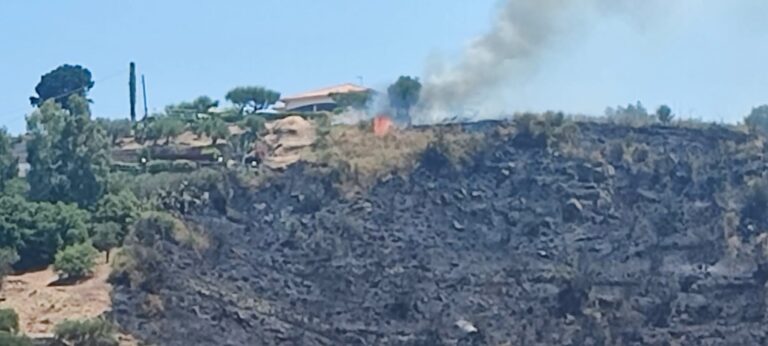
(642, 239)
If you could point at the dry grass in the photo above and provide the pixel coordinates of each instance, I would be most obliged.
(41, 307)
(168, 225)
(138, 263)
(359, 147)
(363, 158)
(190, 237)
(153, 305)
(124, 262)
(185, 139)
(457, 145)
(731, 234)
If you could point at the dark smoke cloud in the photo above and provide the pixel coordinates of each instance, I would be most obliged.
(521, 31)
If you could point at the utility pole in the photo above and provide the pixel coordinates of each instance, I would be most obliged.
(360, 79)
(144, 92)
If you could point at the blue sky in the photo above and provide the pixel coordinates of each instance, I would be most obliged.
(706, 59)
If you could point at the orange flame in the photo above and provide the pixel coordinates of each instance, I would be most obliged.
(382, 124)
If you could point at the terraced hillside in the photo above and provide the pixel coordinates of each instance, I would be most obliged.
(611, 235)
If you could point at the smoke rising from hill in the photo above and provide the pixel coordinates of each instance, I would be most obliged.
(522, 29)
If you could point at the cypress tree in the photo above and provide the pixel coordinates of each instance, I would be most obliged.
(132, 91)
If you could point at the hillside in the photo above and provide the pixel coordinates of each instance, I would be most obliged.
(586, 234)
(41, 304)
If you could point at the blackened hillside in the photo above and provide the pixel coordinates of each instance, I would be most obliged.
(626, 236)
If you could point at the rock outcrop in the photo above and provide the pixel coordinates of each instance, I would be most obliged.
(285, 139)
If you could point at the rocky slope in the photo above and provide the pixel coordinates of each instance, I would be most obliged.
(627, 236)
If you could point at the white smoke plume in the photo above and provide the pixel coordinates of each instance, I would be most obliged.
(521, 30)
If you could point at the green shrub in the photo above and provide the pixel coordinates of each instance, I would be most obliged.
(177, 166)
(131, 168)
(157, 166)
(8, 257)
(211, 151)
(122, 264)
(549, 130)
(145, 154)
(76, 261)
(106, 236)
(323, 127)
(115, 128)
(94, 332)
(16, 186)
(154, 227)
(9, 321)
(139, 267)
(9, 339)
(147, 185)
(254, 124)
(664, 113)
(212, 127)
(121, 208)
(533, 131)
(138, 264)
(231, 117)
(183, 166)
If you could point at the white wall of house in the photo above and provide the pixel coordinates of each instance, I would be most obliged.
(298, 103)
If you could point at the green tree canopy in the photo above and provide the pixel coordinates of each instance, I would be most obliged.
(106, 236)
(61, 83)
(189, 111)
(241, 144)
(121, 208)
(213, 128)
(404, 94)
(254, 124)
(664, 113)
(250, 99)
(353, 100)
(167, 127)
(36, 231)
(115, 128)
(147, 130)
(68, 155)
(9, 165)
(76, 261)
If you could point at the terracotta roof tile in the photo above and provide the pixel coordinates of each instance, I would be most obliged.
(342, 88)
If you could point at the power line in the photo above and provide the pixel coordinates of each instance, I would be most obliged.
(68, 93)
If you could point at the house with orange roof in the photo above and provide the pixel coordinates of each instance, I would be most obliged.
(317, 100)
